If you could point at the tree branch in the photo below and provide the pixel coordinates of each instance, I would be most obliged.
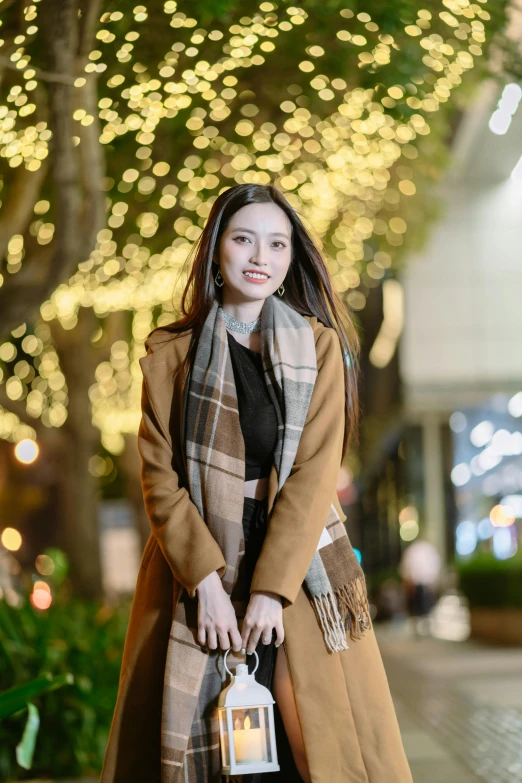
(78, 219)
(89, 20)
(92, 159)
(18, 408)
(45, 76)
(17, 211)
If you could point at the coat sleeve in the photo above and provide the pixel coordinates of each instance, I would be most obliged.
(183, 536)
(301, 510)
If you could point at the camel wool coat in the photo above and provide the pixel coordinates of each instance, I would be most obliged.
(345, 709)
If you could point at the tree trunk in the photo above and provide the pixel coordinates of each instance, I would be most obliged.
(68, 29)
(78, 488)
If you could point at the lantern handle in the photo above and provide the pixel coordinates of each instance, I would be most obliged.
(248, 653)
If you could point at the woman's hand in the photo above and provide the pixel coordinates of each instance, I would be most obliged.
(263, 615)
(216, 615)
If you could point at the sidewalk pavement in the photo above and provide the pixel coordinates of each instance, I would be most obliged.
(459, 706)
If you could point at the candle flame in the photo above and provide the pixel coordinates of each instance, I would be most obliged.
(247, 722)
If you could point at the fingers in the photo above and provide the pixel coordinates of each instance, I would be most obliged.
(248, 639)
(280, 634)
(251, 635)
(235, 637)
(212, 638)
(253, 632)
(224, 641)
(221, 629)
(217, 623)
(224, 638)
(202, 635)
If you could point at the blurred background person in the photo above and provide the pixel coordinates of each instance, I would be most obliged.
(420, 571)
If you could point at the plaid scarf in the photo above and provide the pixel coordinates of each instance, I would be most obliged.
(214, 450)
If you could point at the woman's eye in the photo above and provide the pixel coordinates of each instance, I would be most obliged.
(277, 242)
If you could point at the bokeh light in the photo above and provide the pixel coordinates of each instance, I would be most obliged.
(26, 451)
(409, 530)
(466, 537)
(11, 539)
(408, 514)
(342, 142)
(41, 597)
(505, 544)
(44, 565)
(502, 516)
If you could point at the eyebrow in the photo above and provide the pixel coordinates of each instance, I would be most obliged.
(249, 231)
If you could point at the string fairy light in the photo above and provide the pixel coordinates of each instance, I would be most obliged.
(343, 148)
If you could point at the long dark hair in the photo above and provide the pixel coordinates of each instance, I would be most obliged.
(308, 288)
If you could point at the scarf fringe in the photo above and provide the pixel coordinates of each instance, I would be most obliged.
(348, 604)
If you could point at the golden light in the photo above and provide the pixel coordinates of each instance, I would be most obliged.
(408, 514)
(11, 539)
(44, 565)
(26, 451)
(336, 152)
(41, 598)
(384, 347)
(502, 516)
(409, 530)
(11, 597)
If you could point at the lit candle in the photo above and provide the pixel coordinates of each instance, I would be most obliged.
(248, 743)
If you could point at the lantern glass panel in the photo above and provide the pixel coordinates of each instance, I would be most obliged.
(251, 734)
(225, 755)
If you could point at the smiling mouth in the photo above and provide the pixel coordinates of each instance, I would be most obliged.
(256, 275)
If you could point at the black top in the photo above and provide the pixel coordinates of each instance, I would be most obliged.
(257, 414)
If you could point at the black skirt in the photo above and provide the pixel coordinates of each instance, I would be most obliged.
(254, 531)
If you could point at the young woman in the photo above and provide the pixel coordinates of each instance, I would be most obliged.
(249, 402)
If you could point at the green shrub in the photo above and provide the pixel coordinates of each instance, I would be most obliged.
(492, 583)
(85, 639)
(21, 698)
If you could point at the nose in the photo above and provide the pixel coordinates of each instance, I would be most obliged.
(258, 256)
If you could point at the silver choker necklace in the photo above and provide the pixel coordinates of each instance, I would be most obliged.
(241, 326)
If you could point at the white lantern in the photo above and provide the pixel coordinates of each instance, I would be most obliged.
(246, 724)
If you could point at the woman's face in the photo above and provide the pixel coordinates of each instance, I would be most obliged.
(255, 252)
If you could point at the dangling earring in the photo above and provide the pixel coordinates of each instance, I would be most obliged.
(281, 290)
(219, 279)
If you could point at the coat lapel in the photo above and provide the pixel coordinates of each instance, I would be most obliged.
(160, 389)
(165, 389)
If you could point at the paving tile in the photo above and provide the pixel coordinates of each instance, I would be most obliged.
(442, 772)
(459, 706)
(497, 691)
(420, 746)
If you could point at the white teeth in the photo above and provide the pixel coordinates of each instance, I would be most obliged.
(256, 275)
